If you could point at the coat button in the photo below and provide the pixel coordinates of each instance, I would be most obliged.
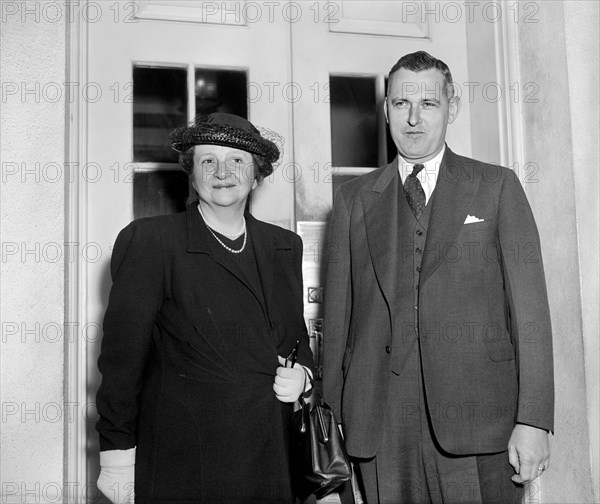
(419, 232)
(388, 349)
(418, 250)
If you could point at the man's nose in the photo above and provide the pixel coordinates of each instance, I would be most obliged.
(414, 116)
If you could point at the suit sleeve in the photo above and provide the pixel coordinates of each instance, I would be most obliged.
(338, 296)
(135, 297)
(527, 298)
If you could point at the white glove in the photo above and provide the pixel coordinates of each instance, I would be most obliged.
(291, 382)
(117, 475)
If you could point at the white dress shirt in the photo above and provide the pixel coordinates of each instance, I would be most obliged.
(427, 176)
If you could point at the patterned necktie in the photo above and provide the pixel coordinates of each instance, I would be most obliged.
(415, 195)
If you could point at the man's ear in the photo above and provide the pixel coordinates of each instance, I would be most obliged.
(385, 110)
(453, 109)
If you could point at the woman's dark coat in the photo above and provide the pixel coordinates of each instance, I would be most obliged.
(188, 360)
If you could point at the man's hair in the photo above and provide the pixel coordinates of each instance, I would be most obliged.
(420, 61)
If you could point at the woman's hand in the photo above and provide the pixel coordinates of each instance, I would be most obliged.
(117, 475)
(289, 382)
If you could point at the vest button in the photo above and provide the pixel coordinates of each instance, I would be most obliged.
(419, 232)
(388, 349)
(418, 250)
(419, 269)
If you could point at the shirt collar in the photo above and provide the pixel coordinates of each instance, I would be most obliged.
(431, 170)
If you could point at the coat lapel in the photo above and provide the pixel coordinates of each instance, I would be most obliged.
(265, 247)
(455, 188)
(380, 205)
(201, 241)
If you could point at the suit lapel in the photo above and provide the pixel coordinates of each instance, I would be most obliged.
(455, 188)
(380, 205)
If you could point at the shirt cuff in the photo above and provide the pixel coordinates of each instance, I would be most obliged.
(117, 458)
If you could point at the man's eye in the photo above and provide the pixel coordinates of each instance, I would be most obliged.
(429, 104)
(238, 160)
(401, 104)
(208, 162)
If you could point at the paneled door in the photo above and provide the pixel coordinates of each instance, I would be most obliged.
(312, 71)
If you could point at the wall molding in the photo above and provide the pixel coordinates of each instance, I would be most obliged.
(506, 40)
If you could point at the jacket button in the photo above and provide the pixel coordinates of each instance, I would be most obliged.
(388, 349)
(418, 250)
(419, 232)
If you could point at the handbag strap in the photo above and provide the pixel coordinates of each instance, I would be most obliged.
(310, 401)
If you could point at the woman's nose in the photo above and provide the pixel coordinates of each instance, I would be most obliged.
(221, 171)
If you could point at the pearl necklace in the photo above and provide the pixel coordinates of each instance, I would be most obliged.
(234, 235)
(233, 251)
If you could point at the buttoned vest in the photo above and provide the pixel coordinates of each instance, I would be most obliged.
(412, 235)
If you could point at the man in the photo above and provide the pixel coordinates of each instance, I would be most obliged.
(437, 345)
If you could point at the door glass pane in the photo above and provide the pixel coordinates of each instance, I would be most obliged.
(221, 91)
(159, 192)
(159, 106)
(354, 128)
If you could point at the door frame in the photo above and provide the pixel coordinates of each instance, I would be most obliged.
(76, 153)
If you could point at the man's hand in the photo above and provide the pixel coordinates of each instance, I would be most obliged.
(289, 382)
(528, 452)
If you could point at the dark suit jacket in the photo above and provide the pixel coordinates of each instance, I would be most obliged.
(189, 355)
(484, 323)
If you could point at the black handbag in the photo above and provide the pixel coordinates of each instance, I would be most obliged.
(319, 461)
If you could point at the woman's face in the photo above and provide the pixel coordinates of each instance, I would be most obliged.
(223, 176)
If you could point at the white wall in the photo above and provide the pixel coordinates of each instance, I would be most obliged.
(555, 137)
(32, 60)
(581, 30)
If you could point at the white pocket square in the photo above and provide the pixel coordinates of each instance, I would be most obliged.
(471, 219)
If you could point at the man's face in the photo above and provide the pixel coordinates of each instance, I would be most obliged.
(418, 113)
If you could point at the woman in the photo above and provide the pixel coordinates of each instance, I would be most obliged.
(195, 399)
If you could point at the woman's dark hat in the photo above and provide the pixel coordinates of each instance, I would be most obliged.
(227, 130)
